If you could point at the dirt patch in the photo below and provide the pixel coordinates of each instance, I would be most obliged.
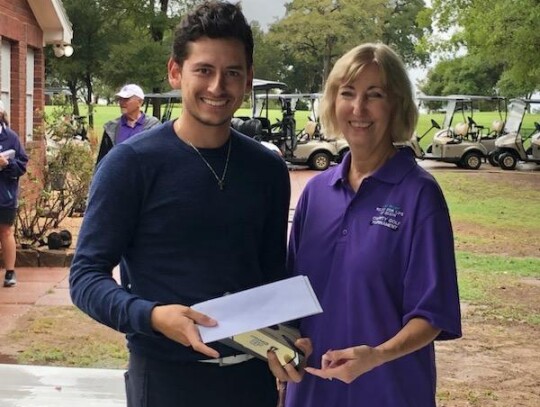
(494, 365)
(495, 240)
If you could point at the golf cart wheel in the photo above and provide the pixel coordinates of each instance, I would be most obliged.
(493, 158)
(472, 161)
(319, 161)
(507, 161)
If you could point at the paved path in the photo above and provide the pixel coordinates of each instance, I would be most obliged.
(43, 386)
(35, 286)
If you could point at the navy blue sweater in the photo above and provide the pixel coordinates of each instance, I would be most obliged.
(9, 176)
(155, 206)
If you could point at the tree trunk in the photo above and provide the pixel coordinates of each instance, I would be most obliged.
(72, 85)
(89, 92)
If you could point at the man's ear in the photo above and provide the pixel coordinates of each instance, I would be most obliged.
(174, 70)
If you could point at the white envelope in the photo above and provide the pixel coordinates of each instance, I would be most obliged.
(8, 153)
(258, 307)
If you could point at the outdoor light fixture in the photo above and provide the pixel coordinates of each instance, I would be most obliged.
(61, 50)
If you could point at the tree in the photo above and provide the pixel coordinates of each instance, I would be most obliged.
(406, 25)
(468, 75)
(90, 44)
(316, 32)
(116, 41)
(497, 32)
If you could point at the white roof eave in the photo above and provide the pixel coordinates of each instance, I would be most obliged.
(53, 20)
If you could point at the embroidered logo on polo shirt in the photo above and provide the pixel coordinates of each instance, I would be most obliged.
(389, 216)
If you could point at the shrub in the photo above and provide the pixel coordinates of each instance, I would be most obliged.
(67, 176)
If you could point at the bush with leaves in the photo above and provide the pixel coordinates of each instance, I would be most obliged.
(67, 176)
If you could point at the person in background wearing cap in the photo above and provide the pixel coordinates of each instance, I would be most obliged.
(13, 160)
(132, 121)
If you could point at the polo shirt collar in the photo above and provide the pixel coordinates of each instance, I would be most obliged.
(139, 121)
(392, 172)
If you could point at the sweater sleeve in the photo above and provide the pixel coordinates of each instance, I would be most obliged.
(17, 165)
(274, 247)
(110, 220)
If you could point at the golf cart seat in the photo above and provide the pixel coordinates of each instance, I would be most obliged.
(265, 123)
(461, 129)
(309, 132)
(497, 126)
(251, 127)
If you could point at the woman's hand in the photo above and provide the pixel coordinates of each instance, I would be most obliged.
(290, 373)
(347, 364)
(177, 322)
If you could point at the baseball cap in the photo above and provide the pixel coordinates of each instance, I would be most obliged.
(131, 90)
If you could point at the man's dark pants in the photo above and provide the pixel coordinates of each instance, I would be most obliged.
(154, 383)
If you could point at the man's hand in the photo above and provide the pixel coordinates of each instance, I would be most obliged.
(177, 322)
(290, 373)
(3, 162)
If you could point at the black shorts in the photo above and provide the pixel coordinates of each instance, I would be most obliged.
(7, 216)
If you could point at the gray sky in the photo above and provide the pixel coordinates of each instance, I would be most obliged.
(264, 11)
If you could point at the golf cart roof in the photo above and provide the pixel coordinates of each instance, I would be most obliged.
(310, 96)
(262, 84)
(531, 101)
(467, 98)
(172, 94)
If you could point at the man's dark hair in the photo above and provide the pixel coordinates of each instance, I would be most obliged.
(213, 19)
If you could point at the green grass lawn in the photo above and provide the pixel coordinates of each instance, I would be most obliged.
(102, 114)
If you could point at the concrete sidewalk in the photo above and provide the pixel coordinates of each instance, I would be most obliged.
(44, 386)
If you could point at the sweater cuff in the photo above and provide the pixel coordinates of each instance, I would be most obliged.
(141, 313)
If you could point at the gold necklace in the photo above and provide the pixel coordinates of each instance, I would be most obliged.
(220, 181)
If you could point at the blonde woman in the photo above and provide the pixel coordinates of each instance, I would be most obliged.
(374, 236)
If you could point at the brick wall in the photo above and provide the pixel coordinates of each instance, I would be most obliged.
(19, 26)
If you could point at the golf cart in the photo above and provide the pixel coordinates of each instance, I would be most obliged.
(158, 99)
(510, 146)
(305, 146)
(459, 144)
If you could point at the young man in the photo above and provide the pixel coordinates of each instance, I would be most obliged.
(192, 210)
(131, 122)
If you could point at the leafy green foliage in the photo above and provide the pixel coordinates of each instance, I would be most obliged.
(469, 75)
(314, 33)
(497, 32)
(69, 170)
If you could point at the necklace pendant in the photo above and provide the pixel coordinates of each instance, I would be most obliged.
(221, 185)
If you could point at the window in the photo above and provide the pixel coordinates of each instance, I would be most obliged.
(5, 73)
(29, 94)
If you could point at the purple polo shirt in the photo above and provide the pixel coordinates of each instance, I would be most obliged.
(376, 258)
(125, 131)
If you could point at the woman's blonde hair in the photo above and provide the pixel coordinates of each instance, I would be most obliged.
(395, 80)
